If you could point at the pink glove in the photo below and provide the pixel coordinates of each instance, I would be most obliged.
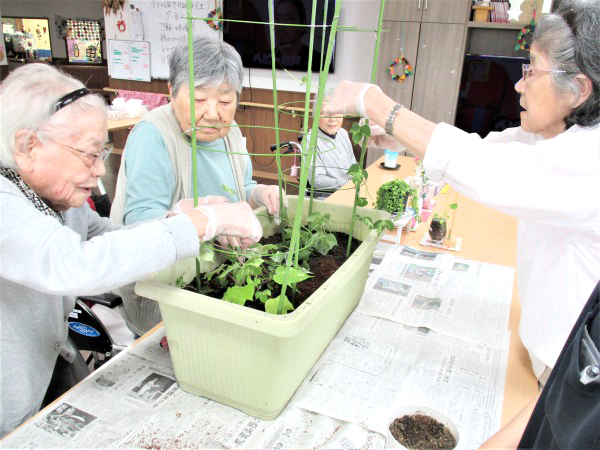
(185, 205)
(348, 98)
(267, 195)
(380, 139)
(229, 219)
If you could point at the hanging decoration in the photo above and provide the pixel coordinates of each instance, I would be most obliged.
(112, 5)
(407, 70)
(522, 44)
(400, 75)
(213, 19)
(121, 24)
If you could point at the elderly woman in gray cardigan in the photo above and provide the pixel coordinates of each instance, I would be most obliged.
(53, 247)
(157, 168)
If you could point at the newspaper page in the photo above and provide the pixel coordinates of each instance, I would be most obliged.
(461, 298)
(375, 365)
(134, 402)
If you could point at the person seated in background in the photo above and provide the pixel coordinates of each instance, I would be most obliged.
(334, 155)
(566, 413)
(53, 247)
(156, 171)
(546, 172)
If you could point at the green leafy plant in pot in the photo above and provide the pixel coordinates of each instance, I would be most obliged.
(438, 227)
(241, 356)
(393, 197)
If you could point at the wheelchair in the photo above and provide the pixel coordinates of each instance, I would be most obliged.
(296, 148)
(87, 331)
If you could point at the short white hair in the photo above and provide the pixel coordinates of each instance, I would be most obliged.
(27, 102)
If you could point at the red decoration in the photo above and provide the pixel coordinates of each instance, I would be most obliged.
(121, 24)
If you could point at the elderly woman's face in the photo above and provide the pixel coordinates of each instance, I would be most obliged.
(545, 108)
(330, 125)
(63, 177)
(214, 108)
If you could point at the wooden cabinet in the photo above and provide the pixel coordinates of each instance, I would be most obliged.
(438, 71)
(436, 11)
(431, 36)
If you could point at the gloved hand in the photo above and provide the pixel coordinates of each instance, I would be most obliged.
(348, 98)
(229, 219)
(380, 139)
(267, 195)
(187, 204)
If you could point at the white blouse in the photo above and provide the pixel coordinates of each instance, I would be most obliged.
(553, 187)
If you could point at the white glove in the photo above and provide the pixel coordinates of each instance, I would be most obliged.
(187, 204)
(380, 139)
(348, 98)
(230, 219)
(267, 195)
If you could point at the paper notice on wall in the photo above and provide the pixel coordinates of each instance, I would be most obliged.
(136, 30)
(129, 60)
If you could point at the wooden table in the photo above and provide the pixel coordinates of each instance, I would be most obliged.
(488, 236)
(123, 124)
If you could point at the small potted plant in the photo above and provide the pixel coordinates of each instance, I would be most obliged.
(438, 228)
(393, 197)
(419, 427)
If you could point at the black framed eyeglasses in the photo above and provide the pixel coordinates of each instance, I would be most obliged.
(93, 158)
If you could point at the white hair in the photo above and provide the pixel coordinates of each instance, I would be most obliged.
(215, 63)
(27, 102)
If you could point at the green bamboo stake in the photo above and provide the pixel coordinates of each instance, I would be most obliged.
(282, 211)
(363, 149)
(313, 163)
(303, 169)
(190, 33)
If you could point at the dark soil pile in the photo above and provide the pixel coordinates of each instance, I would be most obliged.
(421, 432)
(321, 268)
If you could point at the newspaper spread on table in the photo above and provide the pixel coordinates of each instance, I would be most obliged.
(412, 340)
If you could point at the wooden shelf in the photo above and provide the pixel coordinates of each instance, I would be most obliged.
(496, 25)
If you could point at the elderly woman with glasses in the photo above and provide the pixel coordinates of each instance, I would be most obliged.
(545, 172)
(53, 247)
(157, 167)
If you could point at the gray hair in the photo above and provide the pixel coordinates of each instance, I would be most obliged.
(569, 38)
(215, 63)
(27, 102)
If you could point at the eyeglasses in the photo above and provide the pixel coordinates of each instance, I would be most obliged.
(94, 158)
(526, 69)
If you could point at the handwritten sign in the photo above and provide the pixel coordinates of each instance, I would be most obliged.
(165, 26)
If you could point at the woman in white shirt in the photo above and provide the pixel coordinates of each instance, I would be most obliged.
(545, 172)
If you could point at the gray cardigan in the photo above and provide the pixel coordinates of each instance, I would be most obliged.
(44, 265)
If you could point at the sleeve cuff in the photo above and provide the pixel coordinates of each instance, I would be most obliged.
(441, 149)
(184, 234)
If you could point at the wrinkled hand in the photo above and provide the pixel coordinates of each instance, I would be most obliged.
(348, 98)
(187, 204)
(380, 139)
(268, 196)
(236, 220)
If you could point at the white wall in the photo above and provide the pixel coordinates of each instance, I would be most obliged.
(71, 9)
(354, 54)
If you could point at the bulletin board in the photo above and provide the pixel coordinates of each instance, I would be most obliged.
(84, 41)
(165, 26)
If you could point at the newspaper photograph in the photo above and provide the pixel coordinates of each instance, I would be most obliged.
(464, 299)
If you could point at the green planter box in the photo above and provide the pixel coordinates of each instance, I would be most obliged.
(251, 360)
